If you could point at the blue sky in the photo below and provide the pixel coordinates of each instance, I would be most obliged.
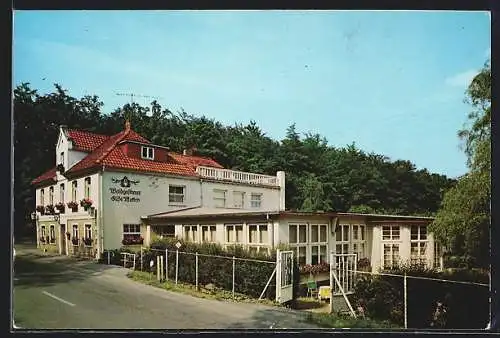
(392, 82)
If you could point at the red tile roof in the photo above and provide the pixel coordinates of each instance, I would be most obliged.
(111, 156)
(194, 161)
(48, 175)
(84, 140)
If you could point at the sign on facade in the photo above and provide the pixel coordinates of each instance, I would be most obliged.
(124, 193)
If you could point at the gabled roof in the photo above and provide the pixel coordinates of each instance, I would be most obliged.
(49, 175)
(104, 151)
(84, 140)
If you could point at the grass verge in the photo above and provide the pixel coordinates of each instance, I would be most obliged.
(332, 321)
(189, 289)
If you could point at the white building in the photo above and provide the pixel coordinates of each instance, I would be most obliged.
(125, 177)
(384, 240)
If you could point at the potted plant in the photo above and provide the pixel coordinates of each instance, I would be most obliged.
(49, 209)
(73, 206)
(40, 209)
(86, 203)
(60, 168)
(87, 241)
(60, 206)
(74, 240)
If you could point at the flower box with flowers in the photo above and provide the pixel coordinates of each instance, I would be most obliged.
(314, 269)
(75, 241)
(87, 241)
(86, 203)
(49, 209)
(60, 206)
(40, 209)
(132, 240)
(73, 206)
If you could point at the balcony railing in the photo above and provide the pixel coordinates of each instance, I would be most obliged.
(236, 176)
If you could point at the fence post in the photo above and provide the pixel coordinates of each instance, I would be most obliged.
(405, 301)
(196, 260)
(125, 260)
(166, 264)
(133, 267)
(176, 265)
(142, 256)
(158, 268)
(109, 258)
(234, 265)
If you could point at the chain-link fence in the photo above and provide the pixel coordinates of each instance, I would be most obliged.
(238, 275)
(416, 301)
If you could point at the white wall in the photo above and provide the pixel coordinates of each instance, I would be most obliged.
(270, 199)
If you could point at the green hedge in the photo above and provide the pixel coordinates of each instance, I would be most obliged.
(250, 276)
(467, 305)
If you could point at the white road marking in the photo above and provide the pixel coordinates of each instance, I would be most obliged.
(57, 298)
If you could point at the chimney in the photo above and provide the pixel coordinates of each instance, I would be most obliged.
(127, 125)
(189, 151)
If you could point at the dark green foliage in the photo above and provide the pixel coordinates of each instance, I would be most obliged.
(250, 276)
(318, 176)
(467, 305)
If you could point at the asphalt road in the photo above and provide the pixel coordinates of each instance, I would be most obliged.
(63, 293)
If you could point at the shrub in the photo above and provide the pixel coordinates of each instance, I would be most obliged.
(467, 305)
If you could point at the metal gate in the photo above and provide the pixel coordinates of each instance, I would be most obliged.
(345, 267)
(284, 276)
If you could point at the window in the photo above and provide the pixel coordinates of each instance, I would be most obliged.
(87, 187)
(191, 233)
(255, 200)
(438, 251)
(208, 233)
(391, 256)
(358, 240)
(297, 238)
(175, 194)
(61, 158)
(88, 231)
(234, 233)
(147, 153)
(318, 243)
(342, 234)
(61, 193)
(238, 199)
(52, 234)
(390, 233)
(51, 195)
(75, 230)
(418, 244)
(42, 232)
(219, 198)
(257, 234)
(42, 197)
(164, 231)
(132, 231)
(74, 186)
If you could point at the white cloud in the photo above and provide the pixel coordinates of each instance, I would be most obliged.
(461, 79)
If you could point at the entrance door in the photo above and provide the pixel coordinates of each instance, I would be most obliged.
(284, 276)
(63, 239)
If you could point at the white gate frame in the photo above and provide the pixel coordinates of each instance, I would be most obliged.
(345, 272)
(284, 270)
